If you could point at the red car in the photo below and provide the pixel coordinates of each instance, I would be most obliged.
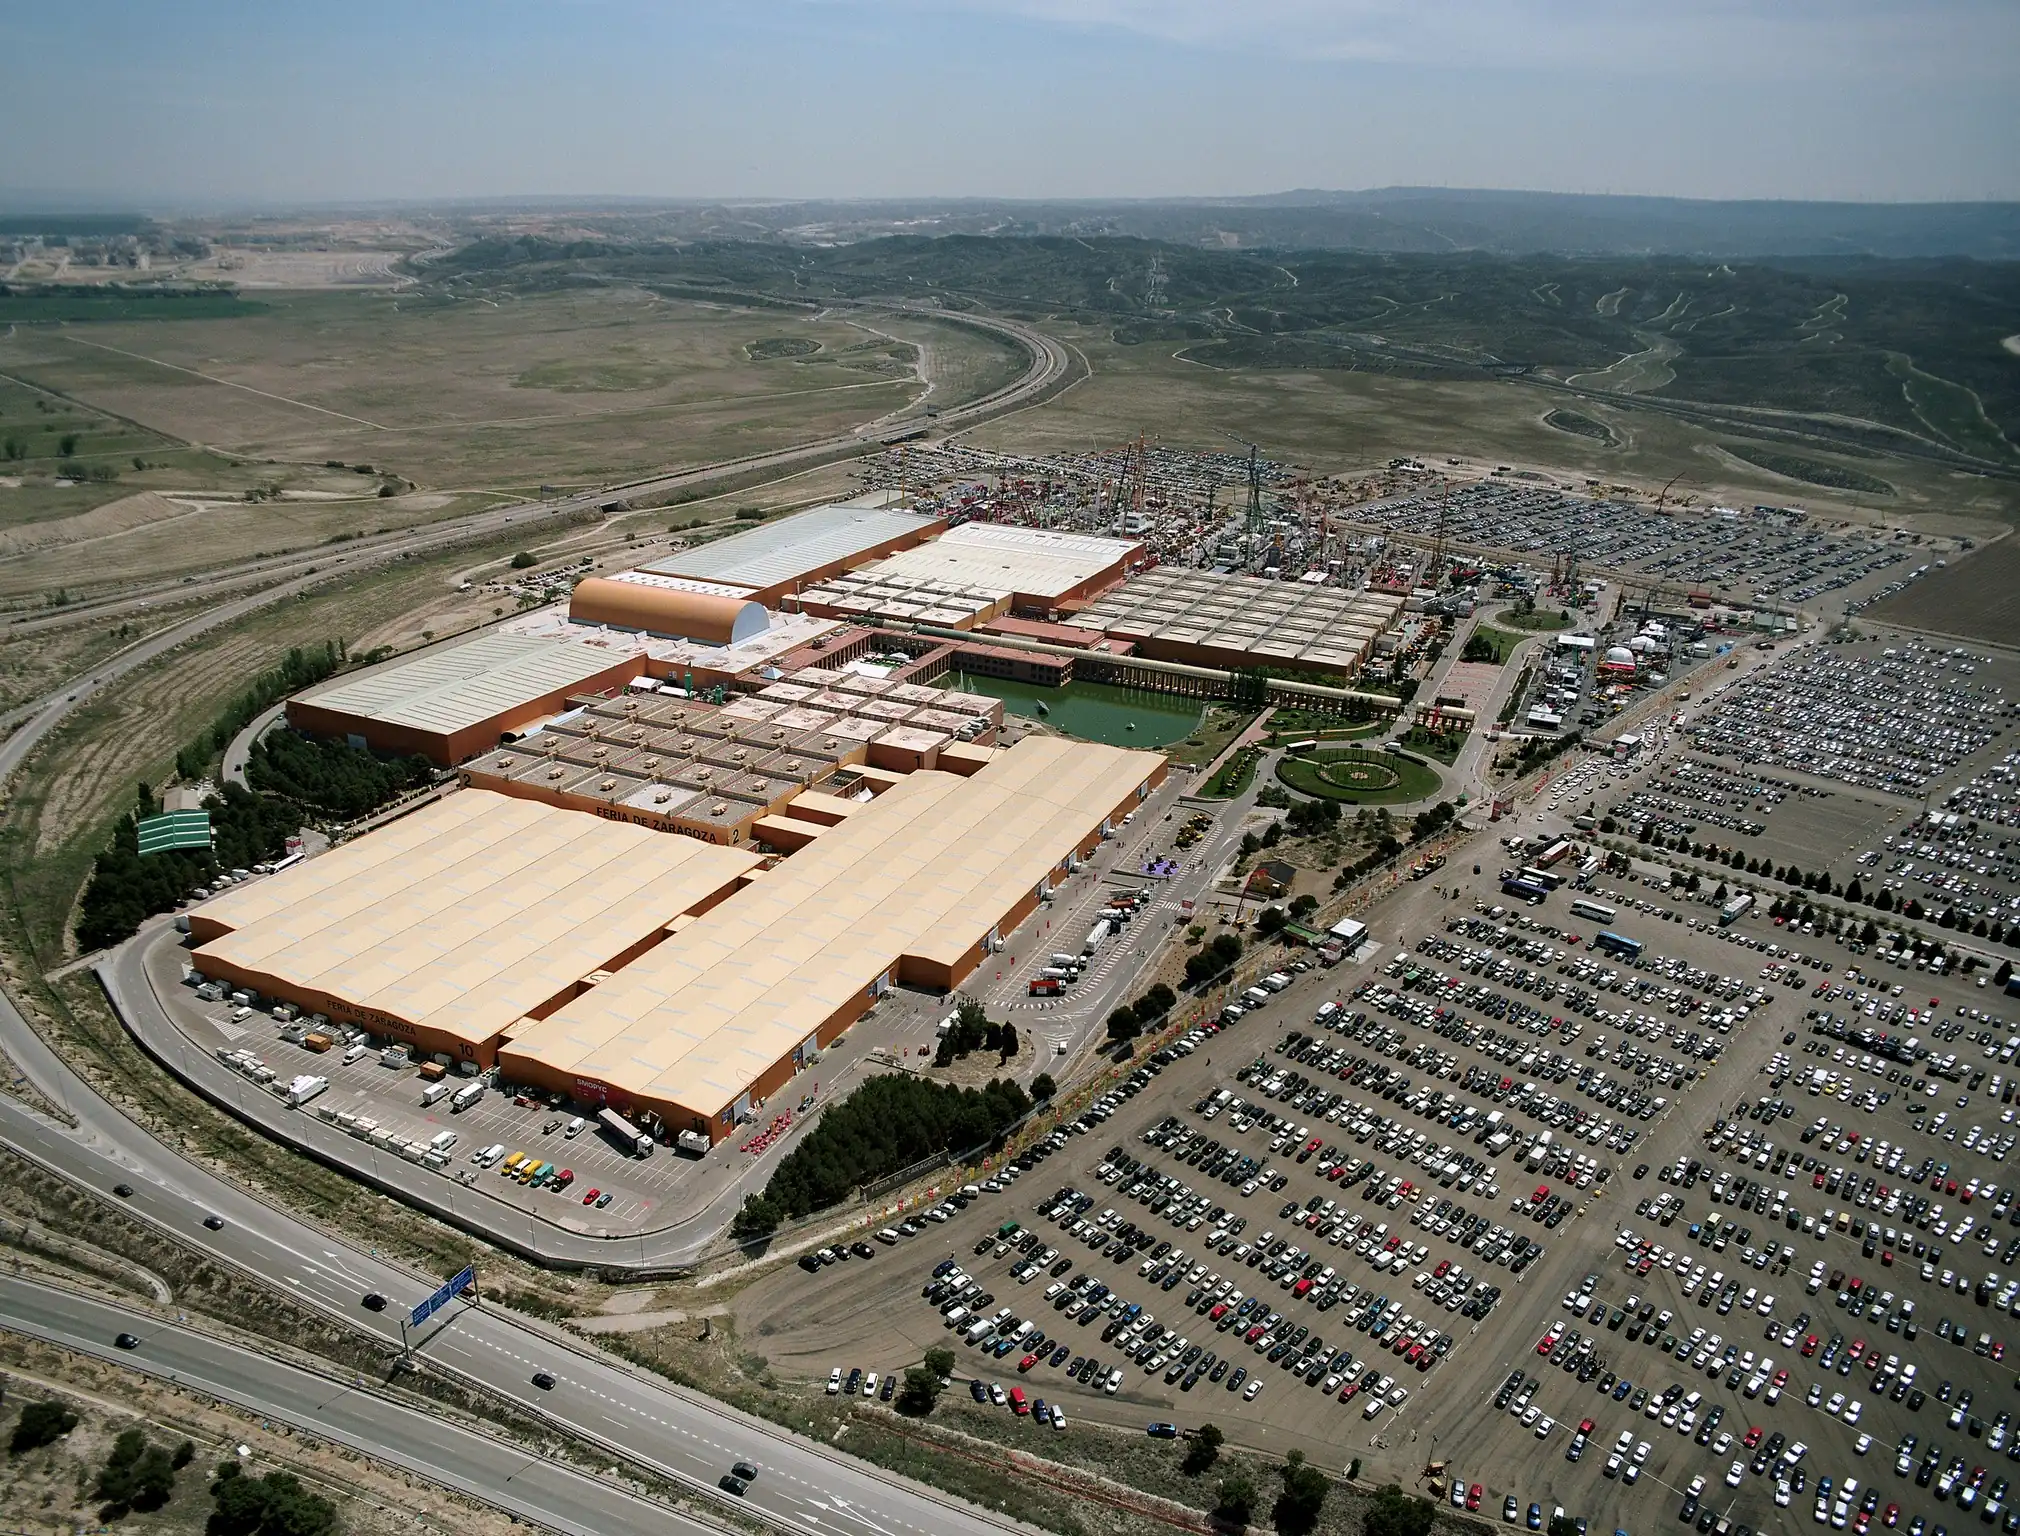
(1585, 1426)
(1439, 1272)
(1890, 1516)
(1752, 1437)
(1809, 1344)
(1542, 1194)
(590, 1198)
(1474, 1495)
(1027, 1362)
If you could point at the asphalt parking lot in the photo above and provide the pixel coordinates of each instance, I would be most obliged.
(1779, 554)
(1901, 777)
(1586, 1045)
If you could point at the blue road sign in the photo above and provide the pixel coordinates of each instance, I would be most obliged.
(454, 1286)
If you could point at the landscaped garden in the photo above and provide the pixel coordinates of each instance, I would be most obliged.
(1359, 777)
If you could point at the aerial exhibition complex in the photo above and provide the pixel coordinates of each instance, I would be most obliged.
(708, 817)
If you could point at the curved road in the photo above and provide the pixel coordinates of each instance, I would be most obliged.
(678, 1434)
(488, 1468)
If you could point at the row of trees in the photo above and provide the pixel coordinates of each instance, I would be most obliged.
(886, 1125)
(1820, 881)
(299, 669)
(1131, 1019)
(124, 889)
(1538, 750)
(332, 776)
(1213, 960)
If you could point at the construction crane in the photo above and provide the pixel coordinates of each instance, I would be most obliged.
(1256, 526)
(1664, 496)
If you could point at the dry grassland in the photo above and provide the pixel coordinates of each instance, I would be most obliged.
(1335, 421)
(34, 664)
(1976, 597)
(190, 532)
(566, 389)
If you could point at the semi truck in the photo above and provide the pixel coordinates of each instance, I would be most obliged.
(466, 1096)
(624, 1133)
(694, 1142)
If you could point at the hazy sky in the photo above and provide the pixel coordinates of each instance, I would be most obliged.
(211, 102)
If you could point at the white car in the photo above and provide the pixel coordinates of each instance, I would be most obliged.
(1862, 1445)
(1782, 1494)
(1543, 1427)
(1852, 1411)
(1734, 1473)
(1248, 1393)
(835, 1382)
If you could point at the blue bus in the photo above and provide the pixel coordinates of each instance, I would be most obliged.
(1528, 890)
(1618, 944)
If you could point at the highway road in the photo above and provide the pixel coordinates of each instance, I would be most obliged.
(483, 1466)
(679, 1434)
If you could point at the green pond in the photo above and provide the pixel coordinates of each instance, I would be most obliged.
(1121, 717)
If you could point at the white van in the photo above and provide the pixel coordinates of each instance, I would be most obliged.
(240, 1014)
(574, 1128)
(355, 1053)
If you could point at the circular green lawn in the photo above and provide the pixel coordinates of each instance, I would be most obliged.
(1359, 777)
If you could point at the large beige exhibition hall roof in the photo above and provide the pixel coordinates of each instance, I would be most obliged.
(466, 914)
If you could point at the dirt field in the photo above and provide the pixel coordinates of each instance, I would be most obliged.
(564, 389)
(1977, 597)
(1335, 421)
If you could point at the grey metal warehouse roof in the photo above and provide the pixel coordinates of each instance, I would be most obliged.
(450, 689)
(789, 548)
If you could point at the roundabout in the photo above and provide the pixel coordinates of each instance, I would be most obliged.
(1360, 777)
